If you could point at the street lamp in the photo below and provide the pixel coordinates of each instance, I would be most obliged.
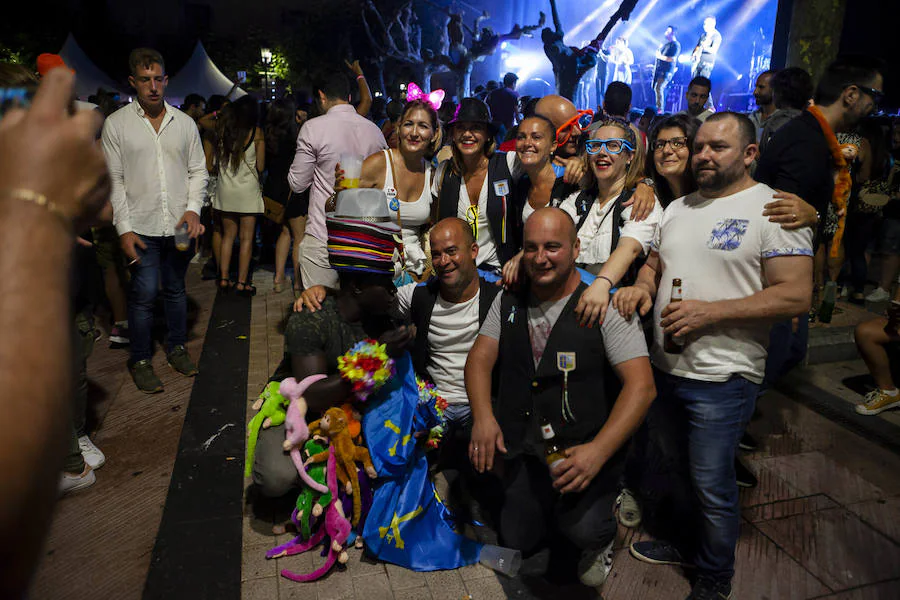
(266, 56)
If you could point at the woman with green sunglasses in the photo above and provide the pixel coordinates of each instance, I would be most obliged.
(611, 240)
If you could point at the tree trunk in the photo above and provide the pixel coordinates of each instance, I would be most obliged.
(815, 34)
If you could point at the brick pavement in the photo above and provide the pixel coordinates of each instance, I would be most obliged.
(823, 522)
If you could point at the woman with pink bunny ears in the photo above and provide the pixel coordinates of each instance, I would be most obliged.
(405, 175)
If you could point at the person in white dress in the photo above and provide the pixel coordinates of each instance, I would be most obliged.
(240, 158)
(620, 60)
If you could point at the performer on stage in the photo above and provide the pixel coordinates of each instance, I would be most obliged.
(703, 58)
(666, 65)
(620, 60)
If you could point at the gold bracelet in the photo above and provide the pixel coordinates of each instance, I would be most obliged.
(41, 200)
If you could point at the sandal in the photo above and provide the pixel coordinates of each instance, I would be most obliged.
(224, 284)
(277, 286)
(246, 289)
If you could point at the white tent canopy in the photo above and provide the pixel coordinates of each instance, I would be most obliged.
(88, 76)
(201, 76)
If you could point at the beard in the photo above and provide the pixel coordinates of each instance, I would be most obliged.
(716, 181)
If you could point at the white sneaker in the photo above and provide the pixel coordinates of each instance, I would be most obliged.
(91, 453)
(69, 482)
(878, 295)
(627, 509)
(595, 565)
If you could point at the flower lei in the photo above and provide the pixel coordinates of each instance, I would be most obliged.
(367, 367)
(431, 408)
(842, 183)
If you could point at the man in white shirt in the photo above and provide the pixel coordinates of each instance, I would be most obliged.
(159, 176)
(740, 274)
(340, 130)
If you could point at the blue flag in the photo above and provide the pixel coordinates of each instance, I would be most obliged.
(408, 525)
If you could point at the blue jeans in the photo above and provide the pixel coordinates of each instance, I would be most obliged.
(159, 261)
(706, 421)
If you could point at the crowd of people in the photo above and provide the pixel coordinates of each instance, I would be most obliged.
(625, 288)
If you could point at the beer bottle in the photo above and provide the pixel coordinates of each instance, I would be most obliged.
(553, 452)
(670, 344)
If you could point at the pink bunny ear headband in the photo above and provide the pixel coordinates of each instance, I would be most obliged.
(434, 99)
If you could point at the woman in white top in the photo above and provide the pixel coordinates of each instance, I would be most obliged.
(241, 157)
(477, 185)
(610, 239)
(404, 174)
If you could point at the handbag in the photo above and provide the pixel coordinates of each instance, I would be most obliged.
(876, 193)
(274, 210)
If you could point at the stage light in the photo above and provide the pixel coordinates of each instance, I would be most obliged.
(684, 59)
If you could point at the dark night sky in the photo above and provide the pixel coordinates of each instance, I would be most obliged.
(108, 29)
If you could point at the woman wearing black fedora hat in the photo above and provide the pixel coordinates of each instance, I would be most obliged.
(476, 185)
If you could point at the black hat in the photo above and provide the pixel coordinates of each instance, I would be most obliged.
(473, 110)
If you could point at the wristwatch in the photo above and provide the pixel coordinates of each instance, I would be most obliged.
(648, 181)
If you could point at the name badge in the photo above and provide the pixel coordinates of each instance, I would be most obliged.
(565, 361)
(501, 188)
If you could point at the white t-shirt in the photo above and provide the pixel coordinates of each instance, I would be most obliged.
(487, 247)
(451, 334)
(718, 247)
(596, 233)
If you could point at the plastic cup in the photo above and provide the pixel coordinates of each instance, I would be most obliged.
(351, 165)
(182, 238)
(503, 560)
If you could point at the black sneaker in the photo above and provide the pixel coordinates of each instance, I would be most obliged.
(745, 478)
(748, 443)
(658, 553)
(707, 588)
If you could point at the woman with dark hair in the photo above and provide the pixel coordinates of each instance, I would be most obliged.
(538, 187)
(476, 183)
(671, 147)
(281, 146)
(240, 158)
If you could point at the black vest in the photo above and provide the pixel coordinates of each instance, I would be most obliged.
(561, 190)
(500, 209)
(583, 205)
(526, 394)
(420, 309)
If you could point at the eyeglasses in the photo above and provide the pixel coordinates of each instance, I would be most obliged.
(677, 143)
(877, 95)
(582, 118)
(612, 146)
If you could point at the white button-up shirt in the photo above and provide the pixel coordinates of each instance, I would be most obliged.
(156, 176)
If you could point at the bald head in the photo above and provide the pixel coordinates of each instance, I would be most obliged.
(455, 228)
(549, 253)
(556, 108)
(554, 219)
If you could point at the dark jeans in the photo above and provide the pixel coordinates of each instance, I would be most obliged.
(159, 261)
(706, 421)
(861, 232)
(787, 348)
(533, 511)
